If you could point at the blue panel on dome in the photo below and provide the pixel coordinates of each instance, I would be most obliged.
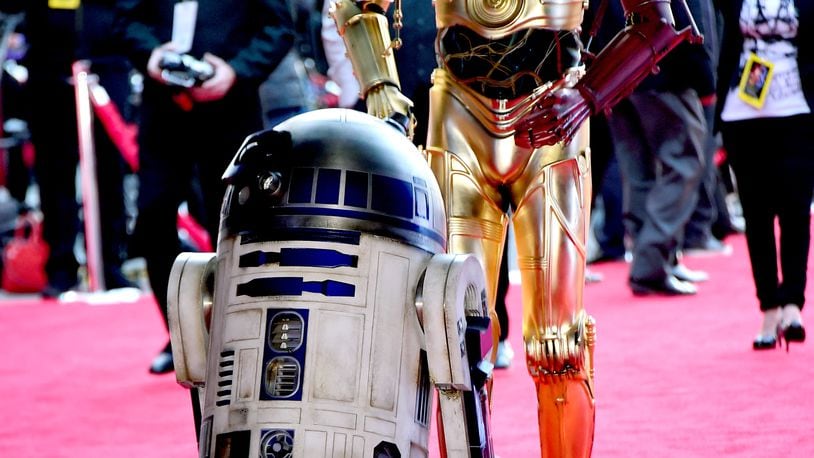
(399, 223)
(392, 196)
(422, 204)
(302, 182)
(328, 186)
(356, 188)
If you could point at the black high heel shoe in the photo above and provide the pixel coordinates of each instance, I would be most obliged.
(794, 332)
(763, 342)
(791, 325)
(770, 332)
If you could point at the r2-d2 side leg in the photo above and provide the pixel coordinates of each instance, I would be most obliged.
(454, 313)
(189, 307)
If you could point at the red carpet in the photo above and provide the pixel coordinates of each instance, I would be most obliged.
(676, 377)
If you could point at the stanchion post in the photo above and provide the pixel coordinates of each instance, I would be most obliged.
(87, 171)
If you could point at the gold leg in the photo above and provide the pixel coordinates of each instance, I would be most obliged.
(475, 222)
(551, 228)
(480, 176)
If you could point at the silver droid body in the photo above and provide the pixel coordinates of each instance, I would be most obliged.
(306, 334)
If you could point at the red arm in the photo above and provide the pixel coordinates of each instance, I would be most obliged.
(612, 76)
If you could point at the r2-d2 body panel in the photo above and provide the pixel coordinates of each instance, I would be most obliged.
(315, 345)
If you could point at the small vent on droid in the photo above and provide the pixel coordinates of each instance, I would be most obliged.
(226, 373)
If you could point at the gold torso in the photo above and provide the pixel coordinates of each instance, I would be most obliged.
(498, 18)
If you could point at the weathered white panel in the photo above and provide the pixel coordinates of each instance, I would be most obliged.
(247, 373)
(336, 358)
(243, 325)
(388, 327)
(334, 419)
(379, 426)
(339, 445)
(316, 443)
(278, 415)
(358, 447)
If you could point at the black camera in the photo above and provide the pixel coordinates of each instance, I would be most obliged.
(184, 70)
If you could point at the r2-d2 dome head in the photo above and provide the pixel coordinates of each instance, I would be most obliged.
(337, 170)
(313, 343)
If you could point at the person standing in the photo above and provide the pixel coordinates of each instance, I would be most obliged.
(768, 136)
(58, 34)
(659, 134)
(192, 133)
(288, 90)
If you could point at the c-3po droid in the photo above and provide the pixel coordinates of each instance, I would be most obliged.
(507, 135)
(330, 314)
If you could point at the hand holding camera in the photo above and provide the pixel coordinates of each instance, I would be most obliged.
(184, 70)
(203, 80)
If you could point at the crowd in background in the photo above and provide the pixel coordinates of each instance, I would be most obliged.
(697, 153)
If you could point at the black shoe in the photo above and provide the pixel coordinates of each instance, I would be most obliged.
(162, 363)
(59, 282)
(764, 342)
(791, 325)
(669, 286)
(769, 335)
(794, 332)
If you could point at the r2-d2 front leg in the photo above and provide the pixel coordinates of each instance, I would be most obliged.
(454, 314)
(189, 308)
(189, 312)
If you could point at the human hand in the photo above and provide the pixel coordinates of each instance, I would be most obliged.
(216, 87)
(153, 64)
(554, 119)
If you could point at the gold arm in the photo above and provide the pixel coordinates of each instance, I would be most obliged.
(370, 50)
(368, 45)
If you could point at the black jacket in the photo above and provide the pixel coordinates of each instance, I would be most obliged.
(253, 36)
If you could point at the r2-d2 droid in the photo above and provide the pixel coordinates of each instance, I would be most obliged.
(330, 310)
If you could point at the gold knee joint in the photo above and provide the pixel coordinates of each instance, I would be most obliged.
(562, 352)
